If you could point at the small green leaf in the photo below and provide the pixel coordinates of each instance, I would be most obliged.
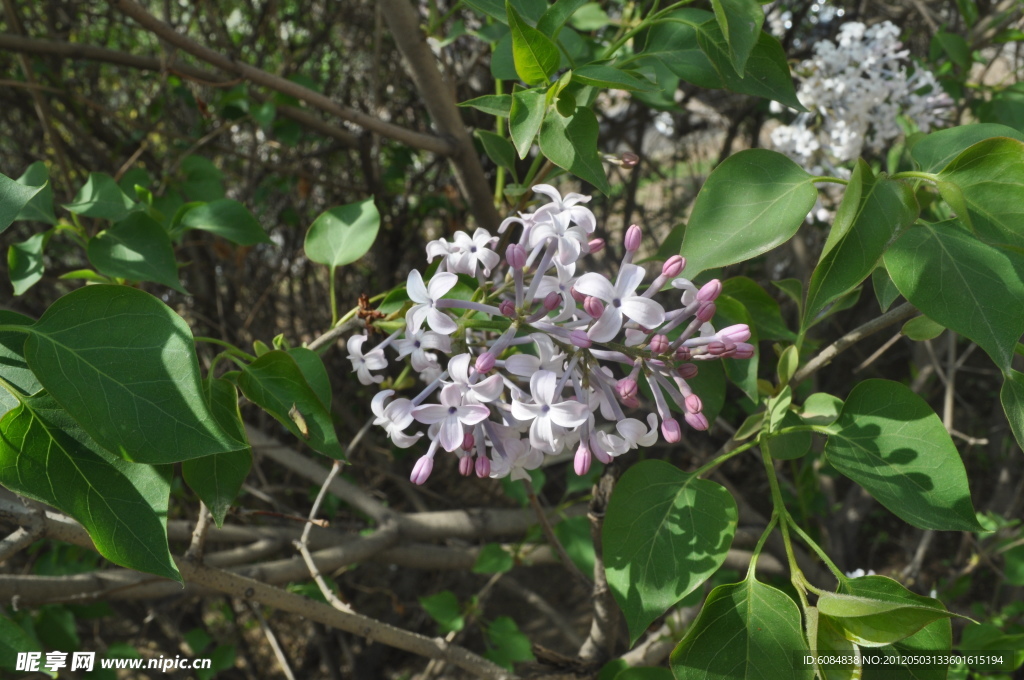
(603, 75)
(203, 181)
(344, 234)
(886, 291)
(740, 22)
(137, 249)
(590, 17)
(101, 197)
(495, 104)
(228, 219)
(751, 203)
(40, 207)
(13, 367)
(525, 118)
(536, 57)
(574, 535)
(571, 144)
(509, 645)
(14, 196)
(444, 608)
(673, 43)
(791, 445)
(315, 373)
(789, 361)
(46, 455)
(492, 559)
(888, 440)
(751, 426)
(821, 408)
(665, 533)
(921, 328)
(746, 631)
(498, 149)
(13, 641)
(25, 262)
(123, 364)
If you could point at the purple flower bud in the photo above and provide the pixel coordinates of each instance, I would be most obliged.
(626, 388)
(694, 404)
(658, 345)
(686, 371)
(630, 159)
(706, 311)
(507, 308)
(468, 440)
(715, 348)
(579, 338)
(422, 469)
(582, 461)
(515, 255)
(484, 363)
(670, 430)
(683, 354)
(551, 300)
(633, 238)
(598, 450)
(466, 466)
(595, 245)
(744, 350)
(632, 402)
(710, 291)
(593, 307)
(673, 266)
(697, 421)
(576, 295)
(483, 467)
(738, 333)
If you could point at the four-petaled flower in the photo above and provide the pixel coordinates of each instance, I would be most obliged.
(450, 415)
(362, 364)
(621, 299)
(426, 298)
(548, 416)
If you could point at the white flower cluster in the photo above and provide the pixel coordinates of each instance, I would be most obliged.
(544, 358)
(854, 91)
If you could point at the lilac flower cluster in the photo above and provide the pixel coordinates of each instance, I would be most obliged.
(544, 358)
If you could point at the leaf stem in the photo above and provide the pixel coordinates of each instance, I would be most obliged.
(840, 576)
(334, 299)
(231, 349)
(827, 178)
(926, 176)
(760, 543)
(796, 575)
(718, 460)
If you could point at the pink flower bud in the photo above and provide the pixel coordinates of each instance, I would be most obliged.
(715, 348)
(738, 333)
(552, 300)
(626, 388)
(693, 404)
(484, 363)
(468, 440)
(683, 354)
(670, 430)
(743, 350)
(595, 245)
(593, 307)
(658, 345)
(687, 371)
(579, 338)
(515, 255)
(710, 291)
(706, 311)
(507, 308)
(697, 421)
(422, 469)
(483, 467)
(582, 461)
(598, 450)
(633, 238)
(673, 266)
(466, 466)
(630, 159)
(631, 403)
(577, 296)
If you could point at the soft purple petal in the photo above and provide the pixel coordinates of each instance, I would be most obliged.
(450, 434)
(440, 322)
(441, 284)
(548, 191)
(489, 389)
(629, 279)
(542, 386)
(415, 288)
(596, 285)
(458, 367)
(541, 435)
(522, 364)
(415, 316)
(451, 395)
(375, 360)
(377, 403)
(569, 413)
(644, 311)
(607, 327)
(521, 411)
(473, 414)
(428, 414)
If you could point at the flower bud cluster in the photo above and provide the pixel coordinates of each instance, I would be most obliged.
(546, 358)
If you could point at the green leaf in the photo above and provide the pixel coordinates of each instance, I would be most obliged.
(536, 57)
(13, 199)
(874, 211)
(40, 207)
(982, 638)
(495, 9)
(25, 262)
(495, 104)
(935, 151)
(275, 383)
(673, 42)
(821, 408)
(763, 308)
(574, 535)
(825, 638)
(554, 18)
(888, 440)
(869, 622)
(603, 75)
(590, 17)
(124, 366)
(315, 373)
(492, 559)
(203, 181)
(740, 22)
(754, 201)
(789, 361)
(922, 328)
(571, 144)
(665, 533)
(343, 234)
(228, 219)
(444, 608)
(791, 445)
(886, 291)
(218, 478)
(746, 631)
(961, 283)
(1011, 395)
(742, 372)
(525, 118)
(14, 640)
(498, 149)
(509, 645)
(13, 367)
(101, 197)
(990, 177)
(645, 673)
(46, 455)
(137, 249)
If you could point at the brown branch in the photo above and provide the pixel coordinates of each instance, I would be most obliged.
(605, 621)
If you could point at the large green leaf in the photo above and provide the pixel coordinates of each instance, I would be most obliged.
(665, 533)
(46, 455)
(554, 18)
(740, 22)
(25, 262)
(874, 211)
(217, 479)
(962, 283)
(763, 308)
(525, 118)
(742, 372)
(315, 373)
(123, 364)
(13, 199)
(888, 440)
(673, 42)
(275, 383)
(138, 249)
(870, 622)
(226, 218)
(752, 202)
(826, 641)
(101, 197)
(40, 207)
(746, 631)
(990, 177)
(343, 234)
(571, 144)
(934, 152)
(536, 57)
(13, 367)
(603, 75)
(767, 70)
(1012, 397)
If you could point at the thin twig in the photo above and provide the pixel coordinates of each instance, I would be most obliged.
(198, 545)
(605, 621)
(282, 660)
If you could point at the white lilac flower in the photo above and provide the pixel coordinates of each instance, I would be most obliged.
(426, 298)
(621, 300)
(394, 418)
(362, 364)
(472, 251)
(450, 415)
(416, 343)
(547, 415)
(478, 392)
